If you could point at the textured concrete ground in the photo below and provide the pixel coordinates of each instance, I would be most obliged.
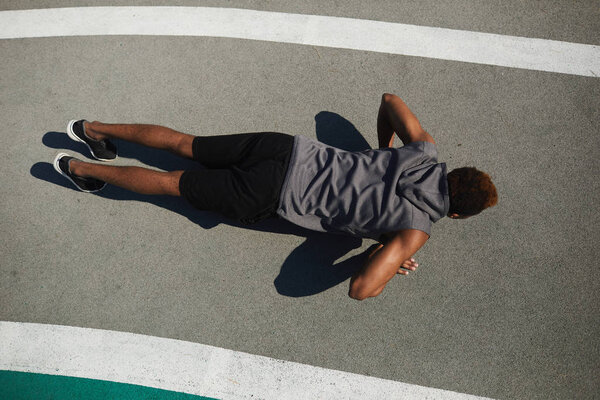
(504, 305)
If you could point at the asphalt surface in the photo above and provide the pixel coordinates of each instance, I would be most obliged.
(503, 305)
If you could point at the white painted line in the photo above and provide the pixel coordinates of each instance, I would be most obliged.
(186, 367)
(346, 33)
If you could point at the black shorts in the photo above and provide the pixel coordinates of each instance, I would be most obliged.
(243, 176)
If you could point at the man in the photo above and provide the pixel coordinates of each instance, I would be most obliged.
(392, 195)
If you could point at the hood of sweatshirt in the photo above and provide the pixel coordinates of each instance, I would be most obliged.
(426, 187)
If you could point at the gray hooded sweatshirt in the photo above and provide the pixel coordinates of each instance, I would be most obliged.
(365, 193)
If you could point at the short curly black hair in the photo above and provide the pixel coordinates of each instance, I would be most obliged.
(471, 191)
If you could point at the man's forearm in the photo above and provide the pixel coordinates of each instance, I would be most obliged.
(385, 261)
(400, 120)
(381, 266)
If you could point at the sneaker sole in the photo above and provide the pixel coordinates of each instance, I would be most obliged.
(76, 138)
(60, 171)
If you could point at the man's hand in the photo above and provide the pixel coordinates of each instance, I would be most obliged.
(407, 265)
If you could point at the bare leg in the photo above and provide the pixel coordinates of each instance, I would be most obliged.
(156, 136)
(136, 179)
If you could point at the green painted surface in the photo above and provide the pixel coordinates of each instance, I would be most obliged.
(24, 385)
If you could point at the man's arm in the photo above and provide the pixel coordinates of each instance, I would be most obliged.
(395, 116)
(385, 263)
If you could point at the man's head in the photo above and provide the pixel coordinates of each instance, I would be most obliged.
(471, 191)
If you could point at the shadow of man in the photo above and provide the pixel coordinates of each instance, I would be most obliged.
(309, 269)
(337, 131)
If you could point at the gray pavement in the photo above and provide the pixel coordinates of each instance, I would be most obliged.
(504, 305)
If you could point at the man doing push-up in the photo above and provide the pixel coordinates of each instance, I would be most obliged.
(389, 194)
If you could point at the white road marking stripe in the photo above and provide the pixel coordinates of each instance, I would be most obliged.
(186, 367)
(346, 33)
